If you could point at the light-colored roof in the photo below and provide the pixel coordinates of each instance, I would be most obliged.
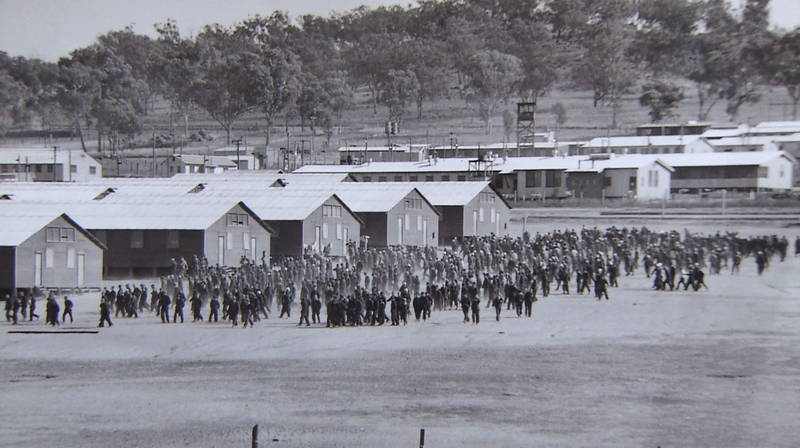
(274, 204)
(50, 191)
(162, 214)
(642, 141)
(496, 146)
(374, 148)
(364, 197)
(720, 133)
(778, 124)
(209, 161)
(513, 164)
(19, 224)
(627, 161)
(449, 193)
(722, 158)
(744, 141)
(431, 166)
(443, 165)
(22, 155)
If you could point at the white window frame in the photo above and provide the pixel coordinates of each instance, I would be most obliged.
(49, 257)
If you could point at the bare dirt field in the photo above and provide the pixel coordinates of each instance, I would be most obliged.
(717, 368)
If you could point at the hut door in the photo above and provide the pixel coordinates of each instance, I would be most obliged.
(253, 248)
(37, 269)
(81, 269)
(317, 239)
(345, 238)
(221, 250)
(400, 230)
(497, 223)
(425, 233)
(474, 222)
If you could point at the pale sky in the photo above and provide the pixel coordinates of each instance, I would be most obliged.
(49, 29)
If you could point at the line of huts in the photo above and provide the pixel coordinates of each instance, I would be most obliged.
(66, 235)
(599, 175)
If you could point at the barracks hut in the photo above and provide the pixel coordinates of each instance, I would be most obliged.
(301, 219)
(143, 238)
(46, 249)
(467, 209)
(393, 214)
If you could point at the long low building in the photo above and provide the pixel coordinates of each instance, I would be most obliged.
(640, 177)
(48, 165)
(735, 171)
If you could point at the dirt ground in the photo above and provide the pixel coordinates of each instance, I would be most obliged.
(717, 368)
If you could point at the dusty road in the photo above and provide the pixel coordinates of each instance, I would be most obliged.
(718, 368)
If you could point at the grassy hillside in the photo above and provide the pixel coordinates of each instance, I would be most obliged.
(439, 119)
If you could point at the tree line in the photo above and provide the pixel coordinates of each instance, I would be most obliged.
(485, 52)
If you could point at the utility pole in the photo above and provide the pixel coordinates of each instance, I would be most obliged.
(55, 149)
(238, 142)
(154, 148)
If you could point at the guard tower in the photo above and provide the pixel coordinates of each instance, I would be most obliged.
(526, 124)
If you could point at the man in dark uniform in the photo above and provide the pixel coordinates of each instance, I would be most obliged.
(233, 312)
(417, 304)
(476, 309)
(246, 310)
(67, 310)
(316, 306)
(163, 306)
(196, 304)
(600, 285)
(497, 302)
(105, 314)
(286, 303)
(180, 301)
(33, 309)
(465, 305)
(304, 310)
(529, 298)
(51, 311)
(12, 308)
(213, 311)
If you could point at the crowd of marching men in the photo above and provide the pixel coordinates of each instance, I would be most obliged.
(358, 289)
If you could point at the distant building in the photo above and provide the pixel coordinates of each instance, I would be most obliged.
(198, 163)
(353, 155)
(48, 165)
(46, 249)
(660, 129)
(670, 144)
(639, 177)
(738, 171)
(245, 157)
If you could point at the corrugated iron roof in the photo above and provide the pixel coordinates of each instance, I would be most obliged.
(22, 155)
(627, 161)
(209, 161)
(722, 158)
(50, 191)
(641, 141)
(19, 226)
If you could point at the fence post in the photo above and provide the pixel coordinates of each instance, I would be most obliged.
(422, 438)
(254, 440)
